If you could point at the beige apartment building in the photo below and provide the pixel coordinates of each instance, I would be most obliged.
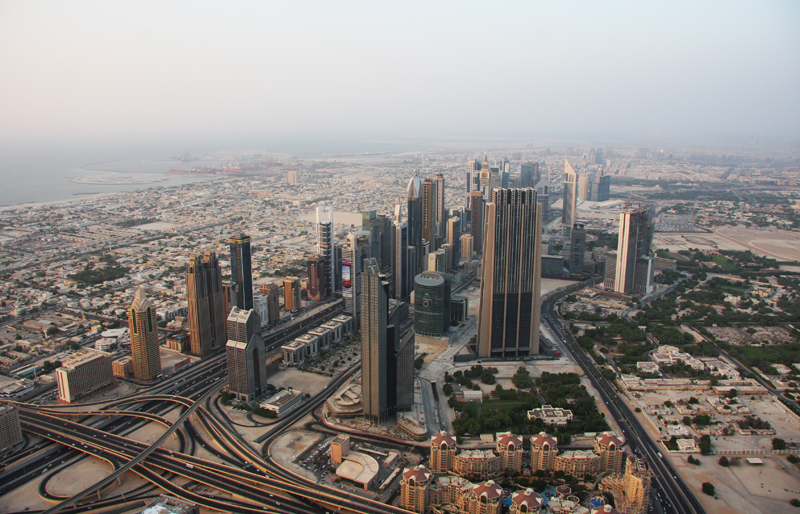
(83, 372)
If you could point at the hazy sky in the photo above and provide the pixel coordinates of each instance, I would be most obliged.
(84, 71)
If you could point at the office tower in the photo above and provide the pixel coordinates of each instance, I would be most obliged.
(387, 362)
(440, 212)
(634, 268)
(577, 248)
(374, 346)
(143, 329)
(431, 304)
(10, 432)
(529, 174)
(486, 181)
(508, 324)
(326, 246)
(454, 238)
(601, 190)
(261, 306)
(505, 174)
(247, 374)
(473, 179)
(317, 287)
(205, 298)
(359, 248)
(584, 186)
(241, 270)
(414, 220)
(291, 294)
(400, 263)
(272, 292)
(83, 372)
(437, 261)
(570, 195)
(228, 298)
(380, 226)
(476, 209)
(544, 200)
(466, 247)
(428, 211)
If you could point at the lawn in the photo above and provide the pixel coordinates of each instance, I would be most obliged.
(724, 262)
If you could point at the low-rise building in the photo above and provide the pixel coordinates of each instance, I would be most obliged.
(283, 402)
(294, 352)
(168, 505)
(122, 367)
(551, 416)
(82, 373)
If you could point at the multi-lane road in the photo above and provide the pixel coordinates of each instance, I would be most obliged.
(669, 492)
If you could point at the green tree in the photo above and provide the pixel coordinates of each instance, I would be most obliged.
(705, 444)
(418, 363)
(794, 502)
(708, 488)
(778, 444)
(723, 461)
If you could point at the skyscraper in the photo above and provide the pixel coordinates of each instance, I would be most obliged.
(326, 246)
(317, 287)
(473, 179)
(400, 263)
(380, 226)
(577, 249)
(414, 221)
(247, 374)
(584, 187)
(204, 295)
(476, 208)
(359, 248)
(634, 266)
(272, 292)
(291, 294)
(486, 181)
(241, 270)
(387, 365)
(143, 329)
(440, 212)
(454, 238)
(431, 304)
(466, 247)
(508, 323)
(601, 189)
(428, 211)
(570, 195)
(529, 172)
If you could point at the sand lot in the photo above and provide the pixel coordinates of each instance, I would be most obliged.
(774, 243)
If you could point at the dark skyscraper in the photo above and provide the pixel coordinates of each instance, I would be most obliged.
(380, 226)
(415, 218)
(431, 304)
(570, 196)
(473, 179)
(387, 365)
(241, 270)
(529, 172)
(601, 189)
(634, 267)
(317, 287)
(577, 249)
(205, 300)
(476, 208)
(440, 212)
(428, 211)
(508, 323)
(326, 246)
(400, 263)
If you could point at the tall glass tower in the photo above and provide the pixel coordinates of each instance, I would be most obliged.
(241, 270)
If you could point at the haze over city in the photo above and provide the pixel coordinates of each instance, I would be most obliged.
(389, 258)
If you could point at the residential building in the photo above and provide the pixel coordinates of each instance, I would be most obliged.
(317, 287)
(291, 294)
(467, 247)
(122, 367)
(83, 372)
(326, 248)
(544, 450)
(10, 431)
(272, 292)
(525, 501)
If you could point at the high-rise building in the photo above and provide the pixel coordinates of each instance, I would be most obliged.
(414, 221)
(631, 490)
(326, 246)
(317, 287)
(428, 211)
(577, 248)
(529, 173)
(273, 293)
(261, 306)
(601, 189)
(634, 267)
(476, 207)
(206, 309)
(10, 432)
(466, 247)
(247, 374)
(291, 294)
(387, 362)
(437, 261)
(401, 270)
(584, 187)
(508, 323)
(143, 329)
(380, 226)
(359, 249)
(228, 297)
(431, 304)
(543, 197)
(473, 179)
(439, 210)
(241, 270)
(486, 181)
(570, 195)
(454, 239)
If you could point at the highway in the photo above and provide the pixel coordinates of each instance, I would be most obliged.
(669, 491)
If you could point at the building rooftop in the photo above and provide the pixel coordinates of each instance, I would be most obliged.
(358, 467)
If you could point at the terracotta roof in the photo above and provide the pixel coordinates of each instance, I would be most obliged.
(542, 438)
(605, 509)
(444, 437)
(608, 438)
(488, 489)
(508, 438)
(417, 473)
(527, 497)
